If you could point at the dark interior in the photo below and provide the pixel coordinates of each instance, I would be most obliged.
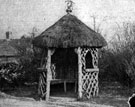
(88, 59)
(66, 62)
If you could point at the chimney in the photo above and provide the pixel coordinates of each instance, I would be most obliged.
(8, 34)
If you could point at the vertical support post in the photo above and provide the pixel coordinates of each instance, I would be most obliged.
(79, 73)
(48, 74)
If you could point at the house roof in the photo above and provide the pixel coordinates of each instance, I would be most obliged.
(6, 50)
(69, 31)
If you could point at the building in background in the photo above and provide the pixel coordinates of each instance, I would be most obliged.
(7, 52)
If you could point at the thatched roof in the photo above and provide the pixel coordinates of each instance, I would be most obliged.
(69, 31)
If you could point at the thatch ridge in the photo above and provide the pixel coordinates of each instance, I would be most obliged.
(69, 31)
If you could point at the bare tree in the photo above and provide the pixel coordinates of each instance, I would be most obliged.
(97, 24)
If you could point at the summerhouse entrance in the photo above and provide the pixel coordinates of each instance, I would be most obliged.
(64, 70)
(65, 62)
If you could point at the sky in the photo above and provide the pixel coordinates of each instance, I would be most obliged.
(20, 16)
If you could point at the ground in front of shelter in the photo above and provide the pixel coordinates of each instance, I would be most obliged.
(110, 95)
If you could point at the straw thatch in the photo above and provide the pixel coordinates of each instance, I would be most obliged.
(69, 31)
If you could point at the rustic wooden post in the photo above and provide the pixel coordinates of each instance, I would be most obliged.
(48, 74)
(78, 51)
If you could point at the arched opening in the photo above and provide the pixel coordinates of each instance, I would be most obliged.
(88, 59)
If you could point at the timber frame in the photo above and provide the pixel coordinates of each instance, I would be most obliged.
(87, 78)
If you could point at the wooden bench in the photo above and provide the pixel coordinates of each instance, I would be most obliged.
(64, 81)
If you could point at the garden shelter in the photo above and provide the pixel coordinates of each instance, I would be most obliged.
(72, 44)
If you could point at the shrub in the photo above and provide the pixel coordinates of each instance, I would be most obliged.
(27, 59)
(118, 61)
(10, 74)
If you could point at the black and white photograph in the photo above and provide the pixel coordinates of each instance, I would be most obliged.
(67, 53)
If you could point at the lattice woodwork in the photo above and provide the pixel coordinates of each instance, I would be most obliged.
(89, 79)
(90, 84)
(94, 53)
(42, 85)
(53, 73)
(46, 76)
